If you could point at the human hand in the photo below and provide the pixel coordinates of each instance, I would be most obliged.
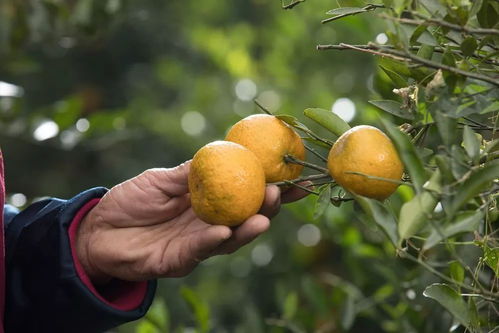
(145, 228)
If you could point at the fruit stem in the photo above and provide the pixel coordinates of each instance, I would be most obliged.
(291, 159)
(302, 179)
(399, 182)
(313, 151)
(306, 189)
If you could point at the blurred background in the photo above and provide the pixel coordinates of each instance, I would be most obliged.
(94, 92)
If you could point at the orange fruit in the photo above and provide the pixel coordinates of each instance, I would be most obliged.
(270, 139)
(367, 150)
(226, 182)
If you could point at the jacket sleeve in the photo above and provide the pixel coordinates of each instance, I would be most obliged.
(46, 288)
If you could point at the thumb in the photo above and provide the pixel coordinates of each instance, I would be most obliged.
(172, 181)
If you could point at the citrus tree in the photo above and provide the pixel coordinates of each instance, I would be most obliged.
(438, 82)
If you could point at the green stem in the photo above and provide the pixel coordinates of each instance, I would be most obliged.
(303, 179)
(291, 159)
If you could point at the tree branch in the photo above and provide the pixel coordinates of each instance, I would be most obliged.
(407, 56)
(368, 8)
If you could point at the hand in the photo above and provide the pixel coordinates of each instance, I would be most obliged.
(145, 228)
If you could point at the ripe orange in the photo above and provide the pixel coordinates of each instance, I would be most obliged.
(367, 150)
(226, 182)
(270, 139)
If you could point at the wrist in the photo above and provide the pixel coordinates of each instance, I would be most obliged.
(82, 244)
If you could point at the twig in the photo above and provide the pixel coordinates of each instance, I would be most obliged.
(264, 109)
(388, 180)
(437, 49)
(407, 56)
(304, 179)
(291, 4)
(360, 48)
(364, 9)
(291, 159)
(438, 22)
(407, 255)
(313, 151)
(306, 189)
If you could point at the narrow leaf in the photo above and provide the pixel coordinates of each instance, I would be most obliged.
(381, 216)
(345, 11)
(491, 257)
(425, 51)
(394, 108)
(398, 80)
(456, 271)
(290, 305)
(475, 184)
(465, 222)
(414, 214)
(450, 300)
(327, 119)
(471, 143)
(200, 309)
(408, 155)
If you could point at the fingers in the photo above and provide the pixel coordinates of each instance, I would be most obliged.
(208, 241)
(294, 193)
(172, 181)
(244, 234)
(272, 202)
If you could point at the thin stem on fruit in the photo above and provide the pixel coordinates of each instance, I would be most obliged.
(291, 159)
(313, 151)
(399, 182)
(304, 179)
(306, 189)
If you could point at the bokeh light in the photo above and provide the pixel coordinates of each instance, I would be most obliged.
(344, 108)
(193, 123)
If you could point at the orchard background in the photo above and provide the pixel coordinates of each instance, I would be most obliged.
(94, 92)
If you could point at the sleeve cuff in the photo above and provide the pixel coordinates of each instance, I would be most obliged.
(118, 294)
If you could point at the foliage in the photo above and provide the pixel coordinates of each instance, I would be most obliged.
(423, 261)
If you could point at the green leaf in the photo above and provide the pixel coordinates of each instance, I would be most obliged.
(425, 51)
(345, 11)
(381, 216)
(394, 108)
(450, 300)
(491, 257)
(415, 213)
(290, 305)
(290, 120)
(327, 119)
(446, 126)
(475, 8)
(465, 222)
(323, 201)
(456, 271)
(408, 155)
(421, 35)
(398, 80)
(468, 46)
(471, 144)
(201, 309)
(472, 186)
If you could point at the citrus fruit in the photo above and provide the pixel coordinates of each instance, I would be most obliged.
(226, 182)
(270, 139)
(367, 150)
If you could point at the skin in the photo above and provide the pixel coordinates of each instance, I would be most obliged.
(145, 228)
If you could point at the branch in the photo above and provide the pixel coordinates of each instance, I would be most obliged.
(368, 8)
(437, 49)
(407, 56)
(291, 4)
(291, 159)
(304, 179)
(462, 28)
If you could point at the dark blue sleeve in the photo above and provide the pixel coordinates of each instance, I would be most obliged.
(43, 290)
